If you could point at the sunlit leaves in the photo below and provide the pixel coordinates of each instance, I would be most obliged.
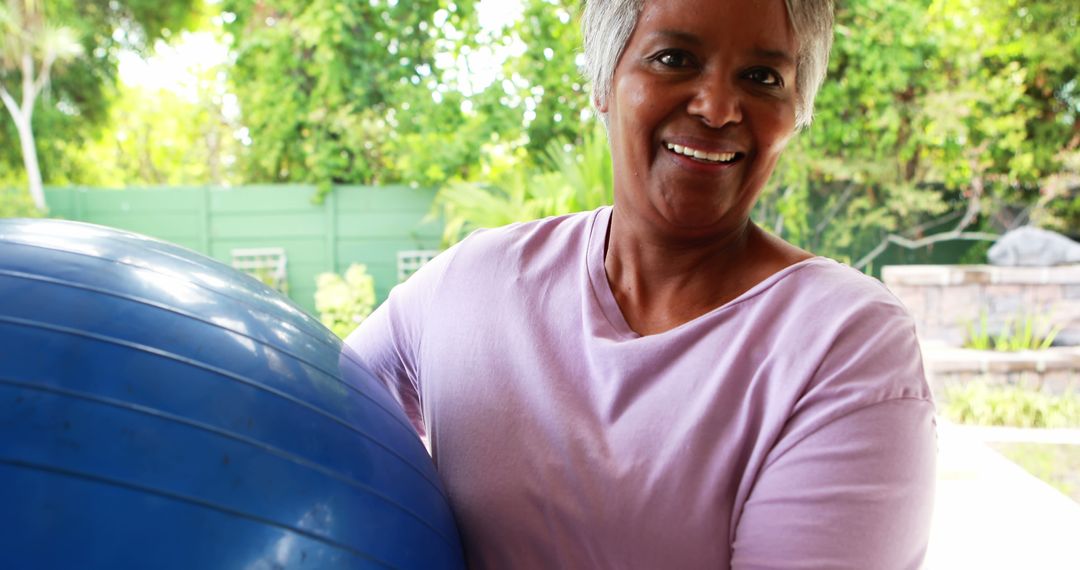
(328, 89)
(76, 102)
(930, 104)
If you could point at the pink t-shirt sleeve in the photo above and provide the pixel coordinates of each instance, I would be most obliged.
(849, 485)
(388, 341)
(837, 501)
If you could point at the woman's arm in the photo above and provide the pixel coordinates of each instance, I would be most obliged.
(850, 481)
(856, 493)
(388, 341)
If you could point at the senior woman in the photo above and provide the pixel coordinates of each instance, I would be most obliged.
(660, 383)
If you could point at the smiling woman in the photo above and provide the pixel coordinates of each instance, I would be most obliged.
(712, 87)
(660, 383)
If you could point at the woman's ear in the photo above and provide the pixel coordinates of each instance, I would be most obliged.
(600, 104)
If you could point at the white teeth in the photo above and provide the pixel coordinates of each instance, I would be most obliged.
(700, 155)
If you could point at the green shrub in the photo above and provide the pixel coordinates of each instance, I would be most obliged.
(16, 203)
(570, 179)
(1023, 332)
(343, 303)
(980, 403)
(267, 276)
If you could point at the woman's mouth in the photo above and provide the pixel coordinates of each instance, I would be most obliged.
(704, 156)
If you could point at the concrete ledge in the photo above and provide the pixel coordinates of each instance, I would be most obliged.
(946, 359)
(949, 275)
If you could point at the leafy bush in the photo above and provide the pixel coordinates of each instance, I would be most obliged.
(344, 302)
(1025, 332)
(571, 178)
(16, 203)
(267, 276)
(980, 403)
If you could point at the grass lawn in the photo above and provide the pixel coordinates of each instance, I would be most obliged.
(1058, 465)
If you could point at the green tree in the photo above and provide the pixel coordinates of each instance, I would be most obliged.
(546, 79)
(161, 137)
(549, 153)
(72, 100)
(940, 120)
(30, 47)
(569, 178)
(540, 95)
(332, 91)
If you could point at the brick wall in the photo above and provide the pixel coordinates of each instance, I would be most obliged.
(945, 299)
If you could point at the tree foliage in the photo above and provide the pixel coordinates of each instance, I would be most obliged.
(158, 137)
(31, 45)
(336, 92)
(938, 115)
(178, 132)
(546, 80)
(76, 101)
(940, 119)
(569, 178)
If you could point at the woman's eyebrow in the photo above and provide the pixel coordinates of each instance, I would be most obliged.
(679, 35)
(777, 55)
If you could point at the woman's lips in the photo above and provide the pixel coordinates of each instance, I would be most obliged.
(704, 156)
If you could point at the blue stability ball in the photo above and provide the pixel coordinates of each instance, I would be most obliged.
(161, 410)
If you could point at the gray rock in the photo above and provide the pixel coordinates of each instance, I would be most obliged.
(1033, 247)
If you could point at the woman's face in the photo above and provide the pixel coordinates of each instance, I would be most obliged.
(702, 104)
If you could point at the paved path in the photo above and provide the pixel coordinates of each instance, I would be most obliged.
(992, 514)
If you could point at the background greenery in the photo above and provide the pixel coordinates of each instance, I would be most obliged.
(75, 108)
(344, 301)
(941, 120)
(983, 403)
(1058, 465)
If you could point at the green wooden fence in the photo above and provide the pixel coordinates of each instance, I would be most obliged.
(354, 224)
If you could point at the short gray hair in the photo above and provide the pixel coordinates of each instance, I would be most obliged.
(607, 24)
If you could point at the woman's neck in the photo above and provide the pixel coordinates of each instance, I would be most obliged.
(661, 282)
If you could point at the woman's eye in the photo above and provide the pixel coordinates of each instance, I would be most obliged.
(672, 59)
(765, 77)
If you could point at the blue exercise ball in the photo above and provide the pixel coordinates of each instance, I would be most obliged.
(161, 410)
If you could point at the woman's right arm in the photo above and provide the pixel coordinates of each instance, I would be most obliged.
(388, 341)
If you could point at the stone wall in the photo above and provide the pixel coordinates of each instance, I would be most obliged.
(1055, 371)
(946, 299)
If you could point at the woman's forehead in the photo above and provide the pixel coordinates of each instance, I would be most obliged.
(759, 25)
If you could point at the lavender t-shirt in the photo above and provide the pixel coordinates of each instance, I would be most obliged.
(789, 428)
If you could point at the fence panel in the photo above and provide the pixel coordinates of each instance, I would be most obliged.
(354, 224)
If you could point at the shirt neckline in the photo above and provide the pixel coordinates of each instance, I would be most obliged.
(609, 307)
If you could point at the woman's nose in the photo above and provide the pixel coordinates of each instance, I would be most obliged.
(716, 102)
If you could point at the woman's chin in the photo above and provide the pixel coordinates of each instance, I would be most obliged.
(701, 222)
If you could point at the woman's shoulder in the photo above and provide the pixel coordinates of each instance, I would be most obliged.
(526, 243)
(821, 282)
(526, 232)
(863, 335)
(795, 281)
